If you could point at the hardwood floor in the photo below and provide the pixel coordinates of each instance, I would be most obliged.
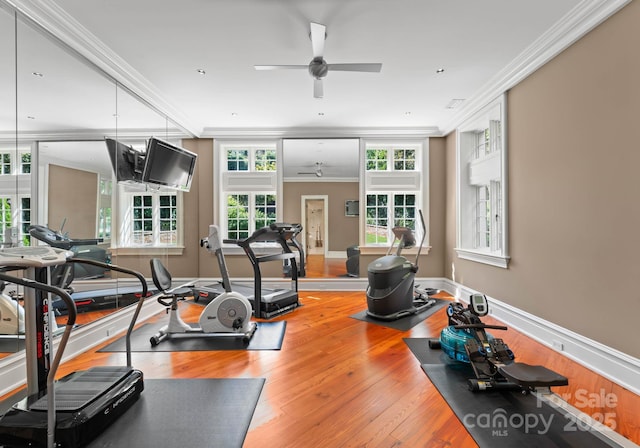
(342, 382)
(317, 266)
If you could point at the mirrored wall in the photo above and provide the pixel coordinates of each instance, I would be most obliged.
(56, 111)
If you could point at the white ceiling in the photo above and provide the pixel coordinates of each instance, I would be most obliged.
(155, 47)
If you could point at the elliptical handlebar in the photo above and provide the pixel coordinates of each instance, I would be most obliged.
(424, 235)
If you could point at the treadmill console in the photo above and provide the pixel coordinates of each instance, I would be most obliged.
(479, 304)
(33, 256)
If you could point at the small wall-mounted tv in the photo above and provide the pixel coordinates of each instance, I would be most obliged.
(351, 208)
(127, 163)
(168, 165)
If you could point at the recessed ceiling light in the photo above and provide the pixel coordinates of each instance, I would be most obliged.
(201, 71)
(234, 114)
(440, 70)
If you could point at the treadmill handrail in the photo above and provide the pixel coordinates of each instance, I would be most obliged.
(53, 368)
(136, 313)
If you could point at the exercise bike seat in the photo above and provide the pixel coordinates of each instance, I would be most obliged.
(162, 280)
(532, 376)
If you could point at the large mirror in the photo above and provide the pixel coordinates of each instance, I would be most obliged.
(9, 183)
(55, 172)
(322, 194)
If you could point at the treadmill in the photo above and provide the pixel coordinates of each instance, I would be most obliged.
(270, 302)
(72, 411)
(63, 275)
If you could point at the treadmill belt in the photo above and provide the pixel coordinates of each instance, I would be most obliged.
(186, 413)
(404, 323)
(83, 388)
(502, 418)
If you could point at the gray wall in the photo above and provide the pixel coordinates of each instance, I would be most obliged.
(573, 179)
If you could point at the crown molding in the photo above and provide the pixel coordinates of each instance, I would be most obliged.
(583, 18)
(318, 132)
(57, 24)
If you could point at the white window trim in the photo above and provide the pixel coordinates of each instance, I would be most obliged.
(120, 214)
(221, 178)
(418, 177)
(465, 232)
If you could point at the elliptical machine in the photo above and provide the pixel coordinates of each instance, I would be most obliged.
(391, 293)
(227, 315)
(466, 340)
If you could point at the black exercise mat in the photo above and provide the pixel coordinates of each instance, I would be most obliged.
(268, 336)
(501, 418)
(404, 323)
(186, 413)
(11, 344)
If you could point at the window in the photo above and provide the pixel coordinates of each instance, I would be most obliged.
(154, 219)
(248, 212)
(248, 186)
(394, 157)
(481, 177)
(104, 209)
(395, 178)
(12, 162)
(25, 221)
(15, 222)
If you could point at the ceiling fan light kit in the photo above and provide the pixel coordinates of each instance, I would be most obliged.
(318, 67)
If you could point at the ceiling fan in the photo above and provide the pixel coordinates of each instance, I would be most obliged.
(318, 171)
(318, 67)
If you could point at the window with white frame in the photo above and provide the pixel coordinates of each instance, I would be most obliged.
(104, 209)
(15, 162)
(154, 219)
(151, 218)
(481, 177)
(395, 179)
(248, 199)
(16, 218)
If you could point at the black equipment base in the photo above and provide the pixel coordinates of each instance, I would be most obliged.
(268, 336)
(86, 403)
(501, 418)
(275, 302)
(404, 323)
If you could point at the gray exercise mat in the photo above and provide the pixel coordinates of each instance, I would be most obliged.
(404, 323)
(501, 418)
(268, 336)
(186, 413)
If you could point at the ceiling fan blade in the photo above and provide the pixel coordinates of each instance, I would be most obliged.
(373, 68)
(318, 91)
(318, 33)
(280, 67)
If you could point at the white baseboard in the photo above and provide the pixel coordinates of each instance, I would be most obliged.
(612, 364)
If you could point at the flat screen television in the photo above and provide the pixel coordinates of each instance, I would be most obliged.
(127, 163)
(168, 165)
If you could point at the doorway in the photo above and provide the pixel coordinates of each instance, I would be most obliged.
(315, 222)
